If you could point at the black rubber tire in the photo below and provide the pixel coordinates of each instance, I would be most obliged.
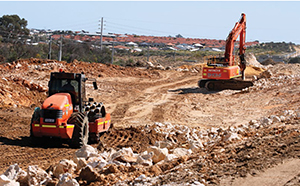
(35, 141)
(81, 130)
(210, 85)
(94, 138)
(201, 83)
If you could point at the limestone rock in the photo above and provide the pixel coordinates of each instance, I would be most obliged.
(86, 151)
(158, 153)
(88, 174)
(124, 155)
(96, 162)
(180, 152)
(67, 180)
(64, 166)
(145, 158)
(81, 162)
(265, 74)
(37, 176)
(12, 172)
(5, 181)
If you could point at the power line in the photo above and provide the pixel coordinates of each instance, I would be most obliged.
(138, 28)
(169, 23)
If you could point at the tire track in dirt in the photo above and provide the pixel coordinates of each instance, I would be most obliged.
(150, 105)
(142, 97)
(26, 155)
(135, 138)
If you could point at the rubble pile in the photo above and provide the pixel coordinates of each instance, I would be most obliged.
(274, 82)
(26, 79)
(268, 80)
(17, 91)
(284, 69)
(206, 153)
(252, 61)
(191, 68)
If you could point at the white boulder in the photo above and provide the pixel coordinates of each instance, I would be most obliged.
(37, 176)
(5, 181)
(87, 151)
(67, 180)
(64, 166)
(158, 153)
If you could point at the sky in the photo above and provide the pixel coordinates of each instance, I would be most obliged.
(267, 21)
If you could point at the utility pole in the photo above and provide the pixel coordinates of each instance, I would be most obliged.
(60, 49)
(112, 53)
(148, 52)
(174, 56)
(101, 28)
(50, 41)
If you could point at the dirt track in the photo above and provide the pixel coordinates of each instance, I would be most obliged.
(138, 97)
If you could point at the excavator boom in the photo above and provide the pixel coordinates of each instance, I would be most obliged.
(238, 30)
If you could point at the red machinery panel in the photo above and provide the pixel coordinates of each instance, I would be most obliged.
(213, 72)
(100, 125)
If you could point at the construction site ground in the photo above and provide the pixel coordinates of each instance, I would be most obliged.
(137, 97)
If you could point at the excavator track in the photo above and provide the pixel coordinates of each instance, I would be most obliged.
(218, 85)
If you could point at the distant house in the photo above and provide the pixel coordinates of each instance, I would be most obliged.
(216, 50)
(122, 35)
(170, 45)
(137, 50)
(181, 47)
(132, 44)
(144, 44)
(185, 47)
(198, 45)
(158, 45)
(120, 47)
(168, 48)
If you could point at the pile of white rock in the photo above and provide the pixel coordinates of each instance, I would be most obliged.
(274, 82)
(88, 161)
(47, 66)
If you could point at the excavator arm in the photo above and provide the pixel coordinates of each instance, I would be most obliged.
(238, 30)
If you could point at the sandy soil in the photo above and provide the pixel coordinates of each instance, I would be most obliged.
(138, 97)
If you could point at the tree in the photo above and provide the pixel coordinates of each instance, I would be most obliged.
(12, 26)
(179, 36)
(294, 60)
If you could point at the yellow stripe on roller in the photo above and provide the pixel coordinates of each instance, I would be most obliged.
(49, 126)
(36, 125)
(66, 105)
(68, 126)
(100, 123)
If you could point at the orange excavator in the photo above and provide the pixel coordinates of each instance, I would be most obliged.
(227, 72)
